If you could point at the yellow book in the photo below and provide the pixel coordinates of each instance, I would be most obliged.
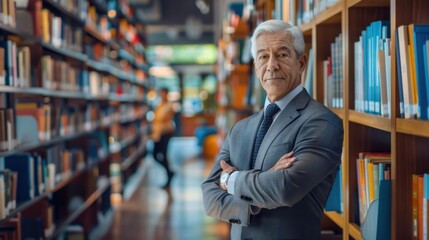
(46, 34)
(413, 74)
(371, 182)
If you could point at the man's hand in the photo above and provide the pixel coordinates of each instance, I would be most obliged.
(226, 167)
(284, 162)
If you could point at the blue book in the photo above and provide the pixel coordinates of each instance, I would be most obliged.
(23, 164)
(399, 78)
(380, 30)
(426, 67)
(420, 35)
(365, 69)
(384, 210)
(334, 201)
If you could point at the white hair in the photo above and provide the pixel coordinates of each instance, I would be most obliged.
(275, 25)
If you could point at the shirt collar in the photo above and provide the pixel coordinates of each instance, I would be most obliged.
(284, 101)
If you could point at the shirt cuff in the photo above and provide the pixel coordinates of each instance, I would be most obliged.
(231, 182)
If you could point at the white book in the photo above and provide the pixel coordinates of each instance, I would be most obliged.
(405, 70)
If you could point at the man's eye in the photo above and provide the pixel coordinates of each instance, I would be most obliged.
(283, 55)
(263, 57)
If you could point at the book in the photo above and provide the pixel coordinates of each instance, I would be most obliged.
(399, 78)
(2, 67)
(334, 201)
(32, 228)
(426, 68)
(308, 82)
(405, 66)
(419, 35)
(23, 164)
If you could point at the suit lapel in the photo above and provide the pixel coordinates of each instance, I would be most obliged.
(288, 115)
(251, 130)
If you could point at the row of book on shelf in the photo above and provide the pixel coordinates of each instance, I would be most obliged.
(373, 171)
(33, 121)
(19, 69)
(372, 58)
(23, 176)
(372, 71)
(308, 9)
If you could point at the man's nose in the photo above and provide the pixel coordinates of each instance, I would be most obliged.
(273, 64)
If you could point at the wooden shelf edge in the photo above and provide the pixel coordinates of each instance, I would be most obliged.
(337, 218)
(368, 3)
(339, 112)
(306, 27)
(370, 120)
(354, 231)
(330, 12)
(413, 127)
(131, 159)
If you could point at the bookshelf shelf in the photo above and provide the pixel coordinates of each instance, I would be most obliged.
(41, 144)
(133, 158)
(339, 112)
(368, 3)
(412, 127)
(330, 15)
(93, 33)
(14, 32)
(64, 12)
(64, 52)
(337, 218)
(354, 231)
(370, 120)
(306, 27)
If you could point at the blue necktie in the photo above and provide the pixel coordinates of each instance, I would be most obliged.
(270, 111)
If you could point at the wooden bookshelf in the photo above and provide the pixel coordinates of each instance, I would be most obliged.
(405, 139)
(86, 103)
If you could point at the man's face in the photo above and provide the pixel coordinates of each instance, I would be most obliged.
(277, 64)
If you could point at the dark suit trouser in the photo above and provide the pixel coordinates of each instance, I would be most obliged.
(160, 151)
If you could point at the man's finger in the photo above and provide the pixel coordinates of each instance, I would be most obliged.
(223, 164)
(287, 155)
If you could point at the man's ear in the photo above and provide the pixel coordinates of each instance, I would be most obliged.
(302, 62)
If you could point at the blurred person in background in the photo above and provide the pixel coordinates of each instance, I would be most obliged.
(163, 128)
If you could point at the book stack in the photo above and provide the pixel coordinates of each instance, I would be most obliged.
(372, 167)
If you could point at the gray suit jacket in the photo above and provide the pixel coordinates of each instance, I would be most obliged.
(283, 204)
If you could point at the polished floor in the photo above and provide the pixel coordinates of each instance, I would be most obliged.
(149, 212)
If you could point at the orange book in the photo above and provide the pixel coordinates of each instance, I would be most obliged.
(361, 188)
(415, 203)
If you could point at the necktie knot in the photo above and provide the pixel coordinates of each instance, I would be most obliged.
(271, 110)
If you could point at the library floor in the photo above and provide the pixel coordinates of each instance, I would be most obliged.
(149, 212)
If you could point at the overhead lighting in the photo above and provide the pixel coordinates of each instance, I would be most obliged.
(162, 71)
